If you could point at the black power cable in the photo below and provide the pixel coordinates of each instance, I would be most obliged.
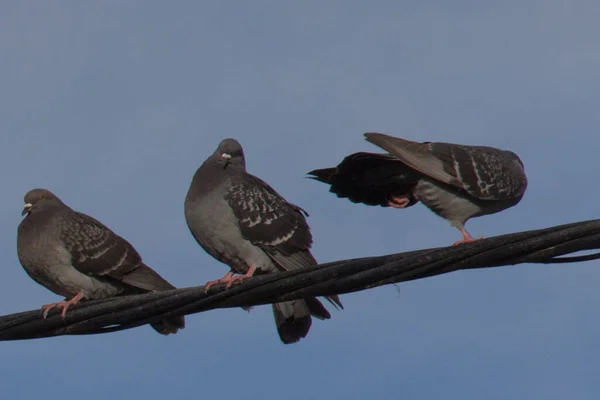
(102, 316)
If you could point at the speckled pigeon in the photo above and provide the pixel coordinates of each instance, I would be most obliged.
(457, 182)
(243, 222)
(77, 257)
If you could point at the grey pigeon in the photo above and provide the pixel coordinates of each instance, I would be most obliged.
(77, 257)
(243, 222)
(457, 182)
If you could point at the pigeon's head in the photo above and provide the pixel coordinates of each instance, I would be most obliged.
(39, 199)
(230, 153)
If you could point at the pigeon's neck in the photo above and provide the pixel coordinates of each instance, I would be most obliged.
(37, 220)
(211, 175)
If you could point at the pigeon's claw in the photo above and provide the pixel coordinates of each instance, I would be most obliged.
(240, 278)
(65, 304)
(47, 307)
(466, 238)
(224, 279)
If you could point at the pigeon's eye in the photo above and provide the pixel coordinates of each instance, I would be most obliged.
(41, 198)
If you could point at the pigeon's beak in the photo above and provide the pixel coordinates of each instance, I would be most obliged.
(226, 157)
(27, 208)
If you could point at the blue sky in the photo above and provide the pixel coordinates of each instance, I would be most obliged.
(113, 105)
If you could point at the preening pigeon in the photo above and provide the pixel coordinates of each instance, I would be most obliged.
(77, 257)
(243, 222)
(457, 182)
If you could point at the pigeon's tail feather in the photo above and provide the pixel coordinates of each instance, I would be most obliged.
(335, 301)
(292, 319)
(322, 175)
(147, 279)
(316, 308)
(169, 325)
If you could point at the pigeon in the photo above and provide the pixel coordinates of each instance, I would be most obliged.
(457, 182)
(76, 256)
(244, 223)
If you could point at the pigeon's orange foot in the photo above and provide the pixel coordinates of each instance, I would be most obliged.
(398, 202)
(65, 304)
(240, 278)
(47, 307)
(466, 238)
(459, 242)
(224, 279)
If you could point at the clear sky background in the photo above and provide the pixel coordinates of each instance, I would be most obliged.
(114, 104)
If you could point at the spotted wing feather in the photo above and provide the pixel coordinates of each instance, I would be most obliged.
(484, 172)
(96, 250)
(278, 227)
(266, 219)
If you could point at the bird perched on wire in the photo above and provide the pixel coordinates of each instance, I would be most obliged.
(457, 182)
(243, 222)
(77, 257)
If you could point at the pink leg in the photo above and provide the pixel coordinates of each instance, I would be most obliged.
(65, 304)
(224, 279)
(398, 201)
(466, 237)
(235, 279)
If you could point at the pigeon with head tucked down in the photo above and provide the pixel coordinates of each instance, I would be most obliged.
(243, 222)
(457, 182)
(77, 257)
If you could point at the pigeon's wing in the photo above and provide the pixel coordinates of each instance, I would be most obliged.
(268, 221)
(369, 178)
(484, 172)
(98, 251)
